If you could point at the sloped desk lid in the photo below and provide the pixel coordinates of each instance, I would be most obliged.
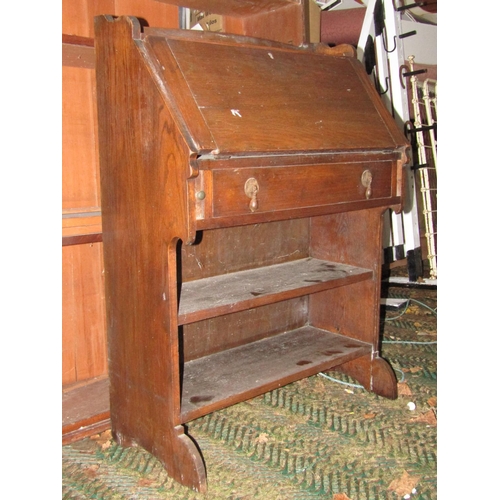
(237, 95)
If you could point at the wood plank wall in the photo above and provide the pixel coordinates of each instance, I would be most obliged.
(83, 308)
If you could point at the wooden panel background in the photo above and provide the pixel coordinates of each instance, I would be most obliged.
(78, 15)
(83, 325)
(80, 156)
(287, 25)
(83, 307)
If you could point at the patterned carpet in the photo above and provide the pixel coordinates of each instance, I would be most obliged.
(319, 438)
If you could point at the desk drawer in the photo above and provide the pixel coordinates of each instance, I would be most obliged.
(268, 189)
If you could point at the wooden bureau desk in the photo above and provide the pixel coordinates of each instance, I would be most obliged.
(243, 187)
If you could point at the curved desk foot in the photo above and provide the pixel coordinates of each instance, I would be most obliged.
(375, 375)
(384, 381)
(183, 461)
(179, 455)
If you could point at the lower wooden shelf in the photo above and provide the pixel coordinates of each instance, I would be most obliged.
(222, 379)
(85, 409)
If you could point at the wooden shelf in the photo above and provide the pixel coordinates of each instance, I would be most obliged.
(81, 227)
(78, 51)
(85, 409)
(229, 293)
(224, 378)
(239, 8)
(289, 21)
